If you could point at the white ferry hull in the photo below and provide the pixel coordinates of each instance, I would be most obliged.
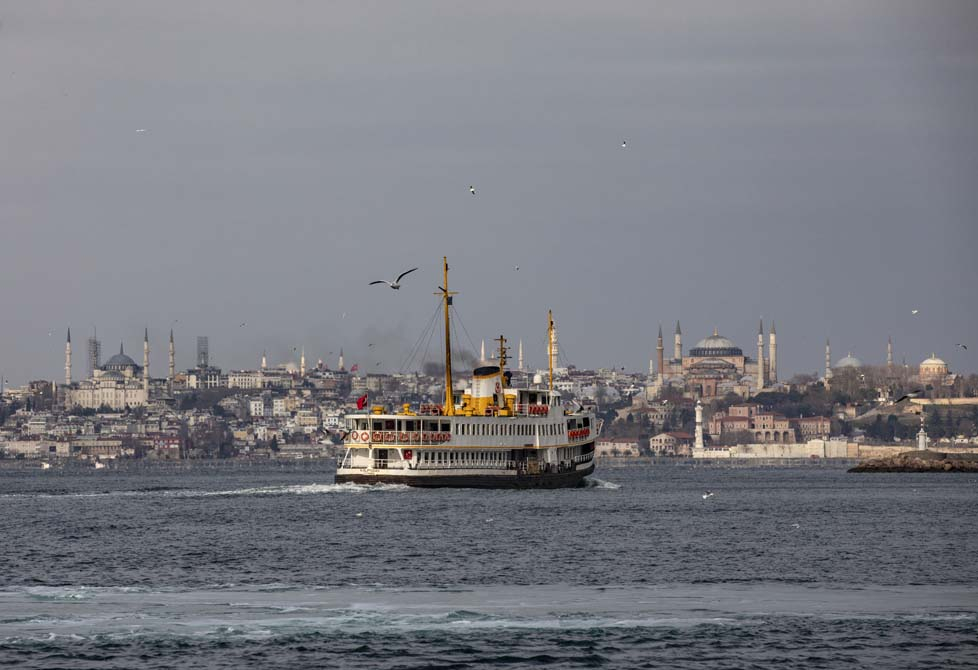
(470, 480)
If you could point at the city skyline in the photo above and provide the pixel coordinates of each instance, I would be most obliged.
(810, 165)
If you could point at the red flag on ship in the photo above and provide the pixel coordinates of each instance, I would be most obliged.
(354, 368)
(362, 401)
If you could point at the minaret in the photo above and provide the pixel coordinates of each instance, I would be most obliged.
(889, 353)
(699, 426)
(828, 360)
(553, 344)
(340, 366)
(68, 359)
(482, 352)
(146, 362)
(773, 353)
(660, 358)
(264, 361)
(302, 363)
(520, 359)
(760, 356)
(677, 350)
(172, 368)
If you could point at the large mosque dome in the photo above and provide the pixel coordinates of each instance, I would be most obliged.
(120, 362)
(715, 345)
(849, 361)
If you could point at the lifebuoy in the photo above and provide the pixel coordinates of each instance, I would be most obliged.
(388, 436)
(376, 436)
(448, 436)
(404, 437)
(415, 437)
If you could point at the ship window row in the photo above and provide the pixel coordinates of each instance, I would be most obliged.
(462, 457)
(403, 425)
(495, 429)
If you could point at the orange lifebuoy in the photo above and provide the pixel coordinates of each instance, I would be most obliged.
(388, 436)
(376, 436)
(404, 437)
(448, 436)
(415, 437)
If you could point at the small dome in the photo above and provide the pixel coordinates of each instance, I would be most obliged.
(849, 361)
(715, 345)
(113, 375)
(933, 360)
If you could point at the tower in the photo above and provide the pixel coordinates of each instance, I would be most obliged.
(68, 359)
(677, 350)
(828, 361)
(660, 357)
(203, 352)
(889, 353)
(554, 349)
(340, 366)
(698, 444)
(773, 354)
(264, 361)
(302, 363)
(482, 352)
(146, 362)
(922, 434)
(760, 356)
(519, 362)
(172, 368)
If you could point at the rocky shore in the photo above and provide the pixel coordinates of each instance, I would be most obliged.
(921, 461)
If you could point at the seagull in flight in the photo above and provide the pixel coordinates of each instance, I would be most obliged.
(396, 284)
(472, 189)
(914, 311)
(708, 494)
(907, 396)
(624, 144)
(963, 346)
(140, 130)
(242, 324)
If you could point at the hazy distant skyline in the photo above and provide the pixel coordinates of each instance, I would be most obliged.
(811, 163)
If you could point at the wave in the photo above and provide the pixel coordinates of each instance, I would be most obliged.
(595, 483)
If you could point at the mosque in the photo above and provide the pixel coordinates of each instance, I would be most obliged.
(118, 384)
(715, 367)
(932, 371)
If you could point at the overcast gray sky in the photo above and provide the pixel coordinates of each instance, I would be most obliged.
(814, 163)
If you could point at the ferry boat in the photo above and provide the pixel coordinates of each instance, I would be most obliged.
(489, 436)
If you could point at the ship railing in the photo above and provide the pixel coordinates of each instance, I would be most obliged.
(584, 458)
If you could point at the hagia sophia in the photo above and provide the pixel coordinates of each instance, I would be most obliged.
(715, 367)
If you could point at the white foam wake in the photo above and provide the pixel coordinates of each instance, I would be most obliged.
(594, 483)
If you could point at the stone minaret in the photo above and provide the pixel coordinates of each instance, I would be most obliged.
(660, 358)
(341, 367)
(699, 426)
(677, 349)
(146, 362)
(773, 354)
(264, 361)
(482, 352)
(171, 370)
(828, 360)
(760, 356)
(68, 359)
(519, 361)
(302, 363)
(889, 353)
(553, 345)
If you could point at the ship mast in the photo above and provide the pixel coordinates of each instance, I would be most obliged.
(502, 359)
(447, 297)
(550, 345)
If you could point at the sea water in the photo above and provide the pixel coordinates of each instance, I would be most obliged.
(277, 567)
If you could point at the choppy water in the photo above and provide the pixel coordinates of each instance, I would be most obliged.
(279, 568)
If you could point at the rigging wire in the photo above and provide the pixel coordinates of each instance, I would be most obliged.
(425, 337)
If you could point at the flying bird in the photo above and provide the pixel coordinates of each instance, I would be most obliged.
(624, 144)
(396, 284)
(140, 130)
(963, 346)
(517, 268)
(472, 189)
(914, 311)
(242, 324)
(907, 396)
(708, 494)
(371, 344)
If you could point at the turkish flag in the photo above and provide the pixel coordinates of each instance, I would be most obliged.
(354, 368)
(362, 401)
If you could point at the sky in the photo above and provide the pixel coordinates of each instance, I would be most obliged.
(814, 164)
